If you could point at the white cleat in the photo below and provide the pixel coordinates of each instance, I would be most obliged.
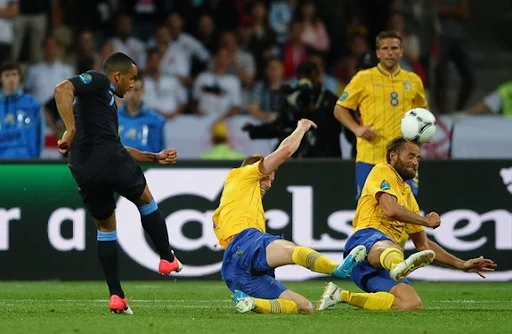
(127, 311)
(413, 262)
(330, 297)
(243, 303)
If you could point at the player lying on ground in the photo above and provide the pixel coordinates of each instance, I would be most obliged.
(387, 208)
(251, 254)
(101, 165)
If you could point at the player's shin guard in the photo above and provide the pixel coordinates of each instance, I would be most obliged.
(107, 253)
(275, 306)
(311, 259)
(391, 257)
(154, 224)
(368, 301)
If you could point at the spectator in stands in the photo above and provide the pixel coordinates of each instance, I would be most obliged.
(139, 126)
(43, 76)
(218, 92)
(453, 48)
(314, 33)
(295, 51)
(31, 22)
(280, 18)
(497, 102)
(327, 80)
(107, 48)
(268, 97)
(347, 67)
(126, 43)
(264, 44)
(9, 9)
(243, 65)
(163, 93)
(21, 125)
(221, 149)
(207, 33)
(85, 55)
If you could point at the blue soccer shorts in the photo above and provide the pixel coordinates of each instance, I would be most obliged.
(367, 277)
(245, 267)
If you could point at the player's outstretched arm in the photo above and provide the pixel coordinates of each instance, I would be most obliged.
(477, 265)
(395, 211)
(165, 157)
(64, 96)
(287, 147)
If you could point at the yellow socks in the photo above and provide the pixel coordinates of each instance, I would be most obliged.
(390, 257)
(311, 259)
(275, 306)
(368, 301)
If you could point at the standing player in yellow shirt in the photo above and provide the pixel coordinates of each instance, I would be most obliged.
(382, 94)
(387, 209)
(251, 254)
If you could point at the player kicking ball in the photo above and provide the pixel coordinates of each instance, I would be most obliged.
(386, 209)
(101, 165)
(251, 255)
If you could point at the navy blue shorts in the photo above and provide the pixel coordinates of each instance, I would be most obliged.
(362, 171)
(364, 275)
(245, 267)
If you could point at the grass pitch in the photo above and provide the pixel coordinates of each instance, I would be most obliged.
(206, 307)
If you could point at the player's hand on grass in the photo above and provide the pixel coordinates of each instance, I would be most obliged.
(478, 265)
(366, 132)
(433, 219)
(306, 124)
(167, 157)
(64, 144)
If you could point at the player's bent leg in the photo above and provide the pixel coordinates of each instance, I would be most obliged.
(406, 298)
(282, 252)
(333, 294)
(153, 223)
(288, 302)
(385, 254)
(412, 263)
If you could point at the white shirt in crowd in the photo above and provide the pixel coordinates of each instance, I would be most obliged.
(133, 48)
(6, 33)
(42, 78)
(211, 103)
(164, 95)
(178, 57)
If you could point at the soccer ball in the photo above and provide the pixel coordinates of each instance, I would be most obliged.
(419, 125)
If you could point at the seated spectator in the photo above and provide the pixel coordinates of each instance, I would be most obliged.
(268, 97)
(21, 125)
(221, 149)
(139, 126)
(43, 76)
(163, 93)
(295, 51)
(315, 34)
(126, 43)
(217, 91)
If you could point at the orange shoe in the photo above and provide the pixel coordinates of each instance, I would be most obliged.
(119, 305)
(166, 268)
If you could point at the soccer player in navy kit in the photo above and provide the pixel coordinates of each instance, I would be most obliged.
(102, 166)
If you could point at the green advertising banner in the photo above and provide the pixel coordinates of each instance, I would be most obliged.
(43, 221)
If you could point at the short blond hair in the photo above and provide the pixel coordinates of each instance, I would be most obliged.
(388, 34)
(253, 158)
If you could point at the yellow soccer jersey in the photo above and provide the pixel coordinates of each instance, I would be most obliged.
(369, 214)
(240, 204)
(382, 99)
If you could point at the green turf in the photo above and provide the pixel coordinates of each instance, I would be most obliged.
(205, 307)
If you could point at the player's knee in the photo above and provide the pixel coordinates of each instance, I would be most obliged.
(411, 303)
(305, 306)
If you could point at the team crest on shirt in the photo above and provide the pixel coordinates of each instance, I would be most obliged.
(343, 96)
(85, 78)
(384, 185)
(407, 85)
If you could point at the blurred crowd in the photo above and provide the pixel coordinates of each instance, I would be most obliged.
(225, 57)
